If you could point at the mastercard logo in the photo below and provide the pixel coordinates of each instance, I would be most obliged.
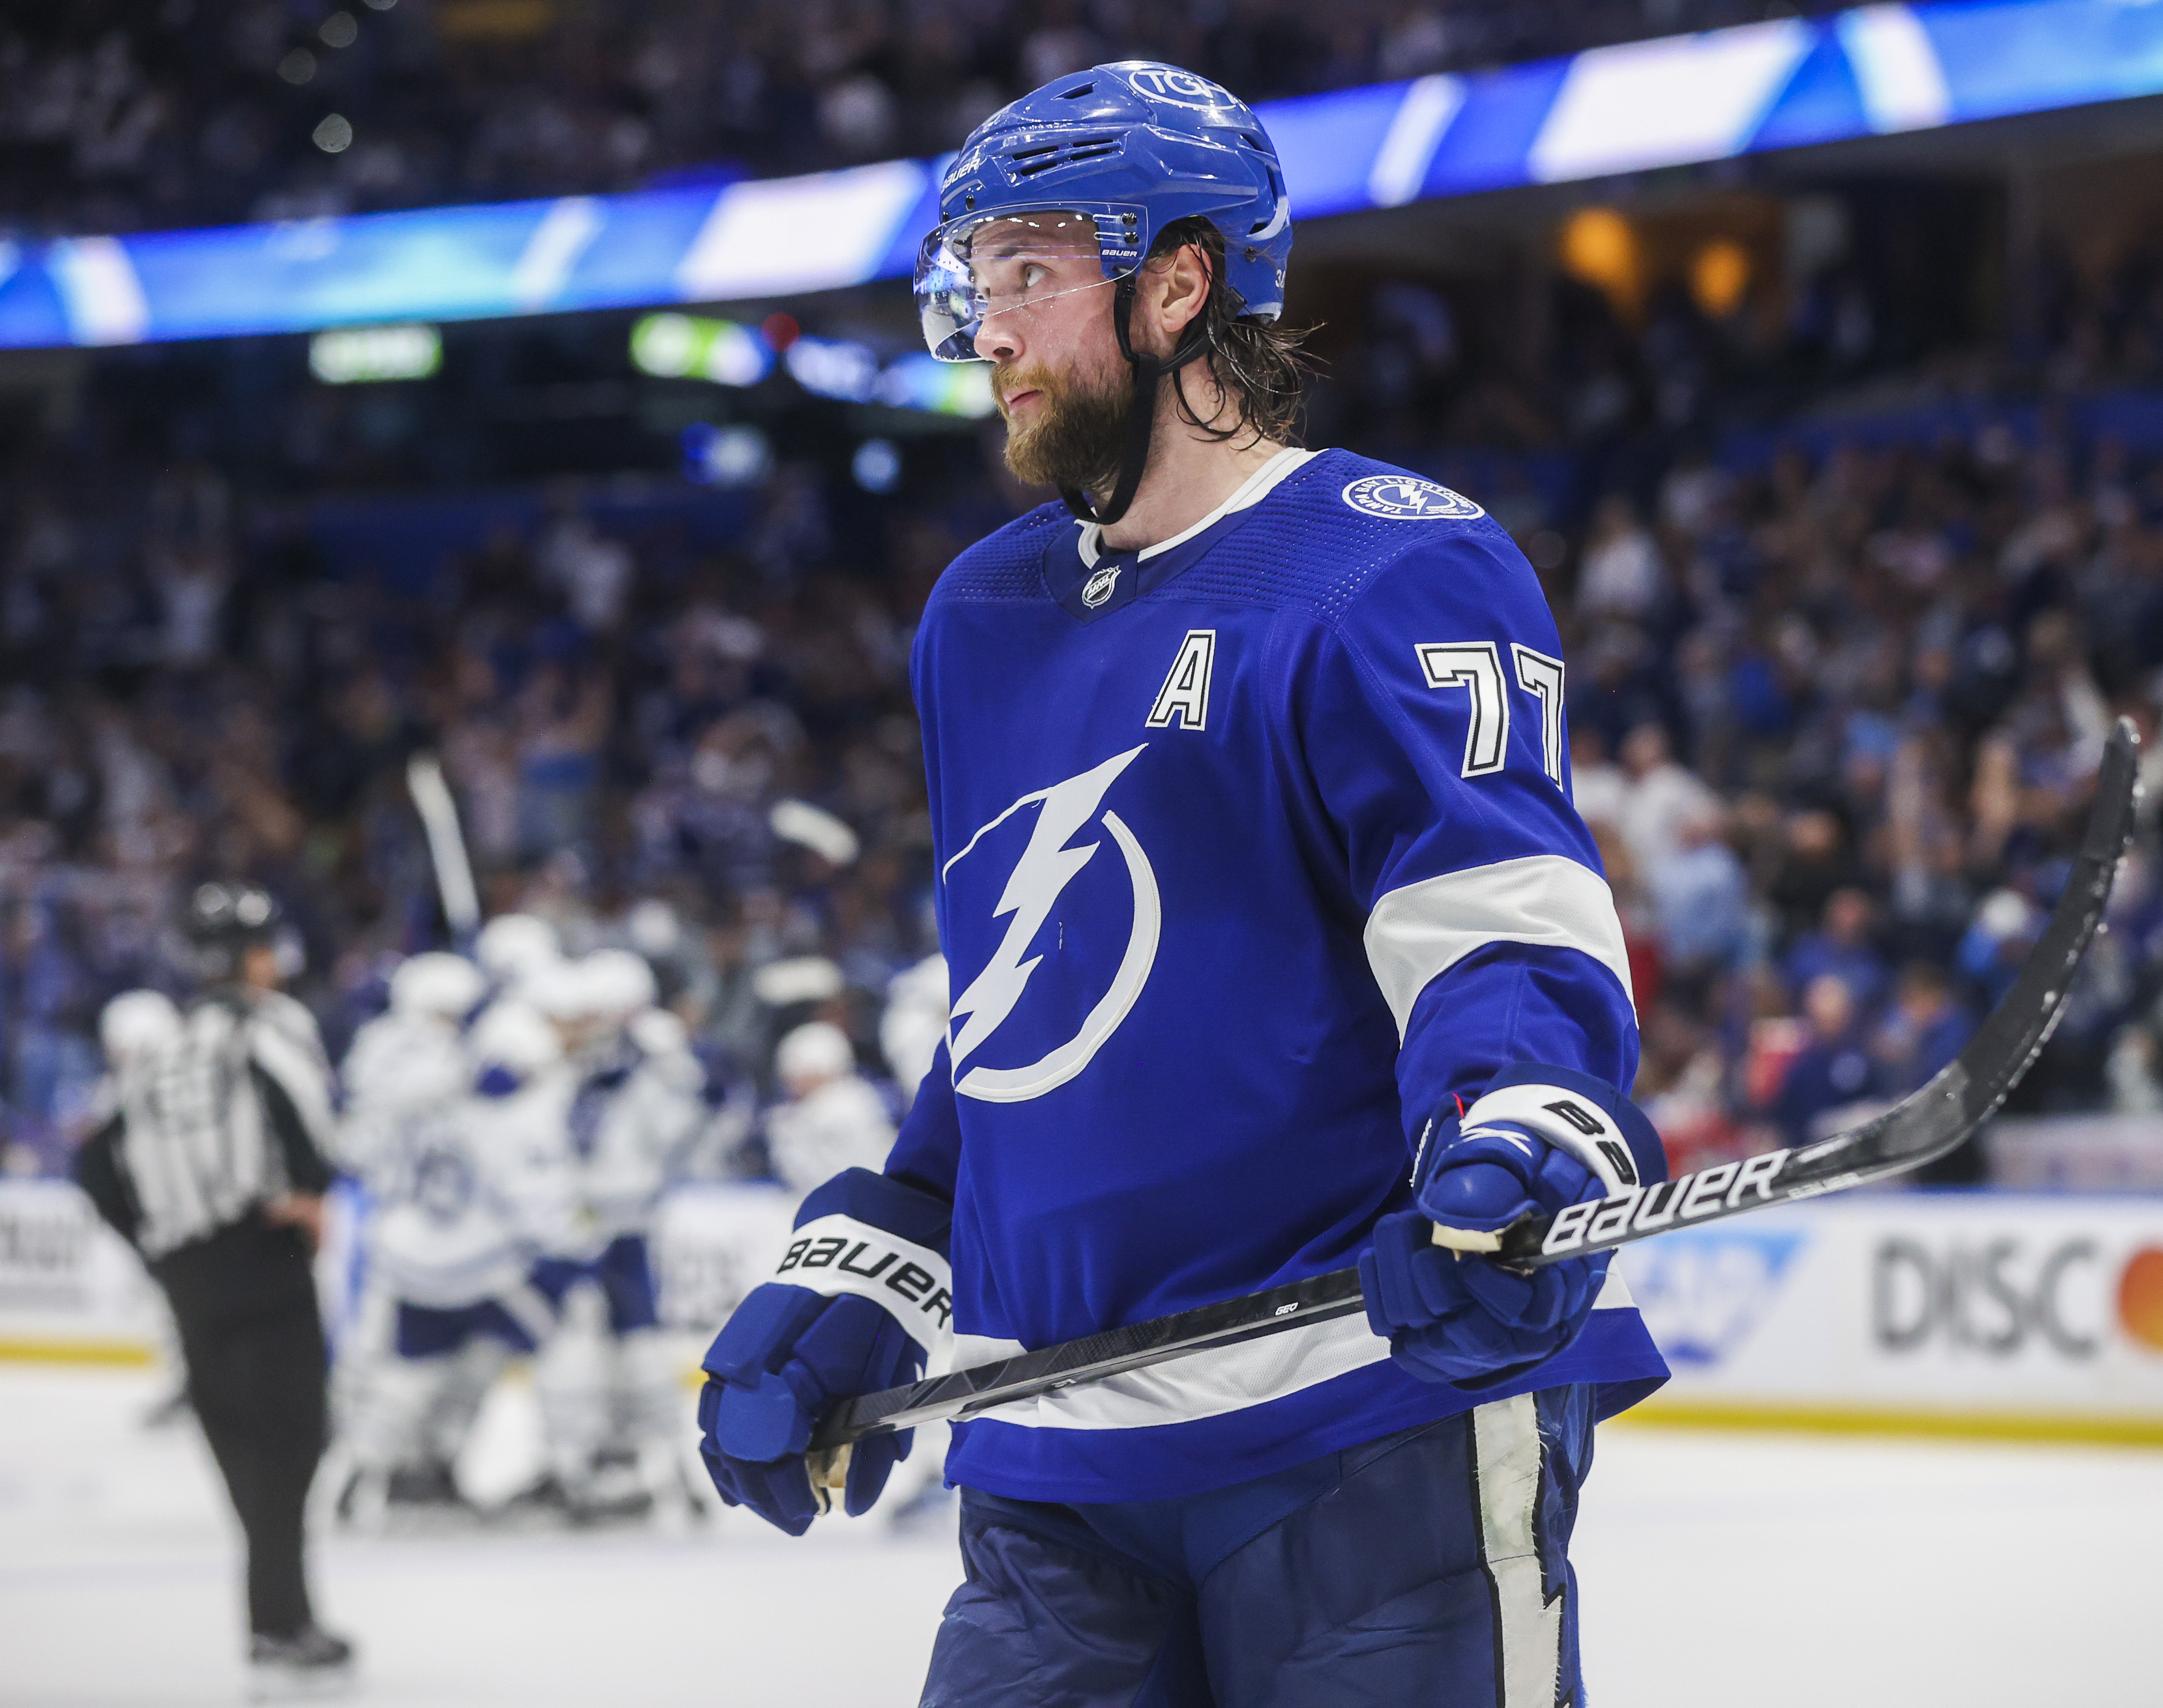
(2141, 1297)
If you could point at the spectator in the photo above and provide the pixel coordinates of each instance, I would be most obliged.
(1924, 1029)
(1833, 1069)
(1842, 945)
(1702, 897)
(1662, 796)
(1597, 783)
(1623, 574)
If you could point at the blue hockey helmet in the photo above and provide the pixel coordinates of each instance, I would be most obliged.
(1110, 157)
(1128, 149)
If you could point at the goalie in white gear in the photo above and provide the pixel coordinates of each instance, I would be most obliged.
(610, 1400)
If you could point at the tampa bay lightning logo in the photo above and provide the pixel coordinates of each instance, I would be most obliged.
(1026, 900)
(1180, 88)
(1407, 498)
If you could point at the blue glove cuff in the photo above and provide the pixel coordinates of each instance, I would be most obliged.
(881, 1201)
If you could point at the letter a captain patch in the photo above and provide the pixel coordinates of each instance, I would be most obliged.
(1185, 692)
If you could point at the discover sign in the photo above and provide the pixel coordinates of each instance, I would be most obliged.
(1970, 1313)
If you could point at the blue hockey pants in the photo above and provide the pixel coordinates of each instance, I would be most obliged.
(1426, 1569)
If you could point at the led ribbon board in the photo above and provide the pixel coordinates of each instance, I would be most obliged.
(1785, 83)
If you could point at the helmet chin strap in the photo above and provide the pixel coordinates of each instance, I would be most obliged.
(1141, 413)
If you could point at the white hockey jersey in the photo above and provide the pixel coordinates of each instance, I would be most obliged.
(483, 1185)
(638, 1112)
(841, 1124)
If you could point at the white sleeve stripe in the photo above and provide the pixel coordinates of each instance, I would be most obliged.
(1419, 932)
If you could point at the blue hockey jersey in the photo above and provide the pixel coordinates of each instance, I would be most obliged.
(1253, 850)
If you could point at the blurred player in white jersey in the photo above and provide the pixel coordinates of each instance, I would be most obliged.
(914, 1023)
(131, 1029)
(405, 1075)
(831, 1117)
(610, 1402)
(475, 1185)
(513, 948)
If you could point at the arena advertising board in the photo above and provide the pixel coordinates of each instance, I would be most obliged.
(1996, 1312)
(69, 1287)
(2013, 1313)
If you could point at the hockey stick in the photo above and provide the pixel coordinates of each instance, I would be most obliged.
(1919, 1129)
(447, 845)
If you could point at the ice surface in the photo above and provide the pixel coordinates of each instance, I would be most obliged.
(1781, 1572)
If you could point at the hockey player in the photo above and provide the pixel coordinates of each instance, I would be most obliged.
(914, 1022)
(513, 948)
(132, 1029)
(477, 1185)
(406, 1076)
(609, 1392)
(831, 1118)
(1276, 943)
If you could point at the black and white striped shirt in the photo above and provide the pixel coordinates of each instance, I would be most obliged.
(234, 1113)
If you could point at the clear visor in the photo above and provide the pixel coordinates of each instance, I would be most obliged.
(970, 271)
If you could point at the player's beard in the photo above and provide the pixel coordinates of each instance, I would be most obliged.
(1079, 433)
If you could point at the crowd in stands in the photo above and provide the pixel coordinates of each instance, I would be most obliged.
(120, 115)
(1836, 691)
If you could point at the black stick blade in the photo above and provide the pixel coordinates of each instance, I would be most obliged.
(1924, 1126)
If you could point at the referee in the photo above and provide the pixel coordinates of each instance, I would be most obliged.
(212, 1167)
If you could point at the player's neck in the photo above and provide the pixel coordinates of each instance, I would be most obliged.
(1189, 473)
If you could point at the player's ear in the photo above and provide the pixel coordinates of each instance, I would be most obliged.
(1174, 291)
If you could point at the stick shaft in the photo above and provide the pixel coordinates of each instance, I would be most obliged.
(447, 844)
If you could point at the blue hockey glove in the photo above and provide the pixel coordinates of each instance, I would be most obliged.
(862, 1297)
(1540, 1139)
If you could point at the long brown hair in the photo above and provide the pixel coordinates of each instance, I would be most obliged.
(1259, 363)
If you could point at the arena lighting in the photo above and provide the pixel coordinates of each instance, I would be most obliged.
(1783, 83)
(692, 347)
(349, 355)
(725, 457)
(698, 346)
(835, 368)
(922, 381)
(877, 466)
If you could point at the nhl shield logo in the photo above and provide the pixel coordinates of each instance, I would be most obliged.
(1407, 498)
(1100, 586)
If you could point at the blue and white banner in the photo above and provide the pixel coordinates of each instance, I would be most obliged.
(1985, 1311)
(1874, 71)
